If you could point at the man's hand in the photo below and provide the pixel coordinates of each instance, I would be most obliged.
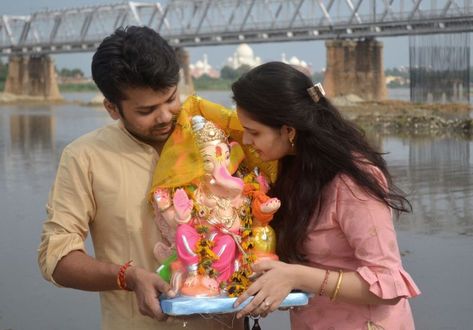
(80, 271)
(147, 287)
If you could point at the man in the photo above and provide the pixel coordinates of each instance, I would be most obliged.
(102, 182)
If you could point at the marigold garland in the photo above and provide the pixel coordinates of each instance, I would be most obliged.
(206, 255)
(239, 281)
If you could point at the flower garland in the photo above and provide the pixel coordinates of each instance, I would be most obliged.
(240, 279)
(204, 251)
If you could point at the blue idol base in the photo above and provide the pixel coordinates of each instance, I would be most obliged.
(220, 305)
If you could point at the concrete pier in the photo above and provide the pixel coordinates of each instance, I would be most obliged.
(355, 67)
(32, 76)
(186, 86)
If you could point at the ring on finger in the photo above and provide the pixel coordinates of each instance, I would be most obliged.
(266, 304)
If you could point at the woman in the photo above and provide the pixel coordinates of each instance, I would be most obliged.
(335, 231)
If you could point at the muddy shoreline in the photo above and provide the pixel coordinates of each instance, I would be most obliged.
(385, 117)
(405, 118)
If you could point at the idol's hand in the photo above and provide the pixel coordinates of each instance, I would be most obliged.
(162, 199)
(148, 287)
(183, 206)
(269, 290)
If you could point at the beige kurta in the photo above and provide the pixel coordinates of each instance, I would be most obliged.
(101, 186)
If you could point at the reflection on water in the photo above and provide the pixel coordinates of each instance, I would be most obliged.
(437, 174)
(27, 147)
(31, 132)
(31, 141)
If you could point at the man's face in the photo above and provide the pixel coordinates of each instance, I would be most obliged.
(148, 115)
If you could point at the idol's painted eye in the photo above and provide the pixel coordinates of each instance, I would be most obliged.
(208, 165)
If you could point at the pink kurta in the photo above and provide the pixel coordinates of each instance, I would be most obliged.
(355, 232)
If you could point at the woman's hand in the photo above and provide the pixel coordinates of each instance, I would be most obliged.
(277, 280)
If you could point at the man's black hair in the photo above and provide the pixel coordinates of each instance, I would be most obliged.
(133, 57)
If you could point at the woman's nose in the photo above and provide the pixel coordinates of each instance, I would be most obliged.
(246, 139)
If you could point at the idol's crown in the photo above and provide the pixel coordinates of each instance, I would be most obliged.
(206, 132)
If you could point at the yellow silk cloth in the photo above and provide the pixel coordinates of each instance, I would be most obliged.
(181, 162)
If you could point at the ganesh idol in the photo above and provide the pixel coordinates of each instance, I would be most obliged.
(217, 199)
(208, 220)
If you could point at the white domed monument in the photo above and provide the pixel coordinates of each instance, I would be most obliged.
(243, 56)
(202, 67)
(298, 64)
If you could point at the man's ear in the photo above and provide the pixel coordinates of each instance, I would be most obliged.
(111, 109)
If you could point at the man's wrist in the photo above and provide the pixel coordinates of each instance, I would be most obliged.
(130, 277)
(122, 274)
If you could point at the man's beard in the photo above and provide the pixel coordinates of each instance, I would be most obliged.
(150, 138)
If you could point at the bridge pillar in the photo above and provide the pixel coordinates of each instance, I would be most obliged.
(355, 67)
(32, 76)
(186, 87)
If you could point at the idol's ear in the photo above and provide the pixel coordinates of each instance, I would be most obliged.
(236, 156)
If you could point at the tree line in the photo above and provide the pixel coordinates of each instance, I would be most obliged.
(227, 76)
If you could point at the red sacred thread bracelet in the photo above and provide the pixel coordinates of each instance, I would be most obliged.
(324, 283)
(121, 275)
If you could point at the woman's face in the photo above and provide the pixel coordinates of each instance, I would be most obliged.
(270, 143)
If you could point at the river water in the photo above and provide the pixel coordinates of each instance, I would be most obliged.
(436, 241)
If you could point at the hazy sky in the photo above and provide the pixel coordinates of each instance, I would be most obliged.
(396, 51)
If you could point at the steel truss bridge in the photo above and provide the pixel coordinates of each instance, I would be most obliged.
(187, 23)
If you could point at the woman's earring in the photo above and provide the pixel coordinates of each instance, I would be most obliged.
(291, 141)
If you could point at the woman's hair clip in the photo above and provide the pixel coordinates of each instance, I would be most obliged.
(316, 92)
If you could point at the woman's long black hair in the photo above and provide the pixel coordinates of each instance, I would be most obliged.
(275, 94)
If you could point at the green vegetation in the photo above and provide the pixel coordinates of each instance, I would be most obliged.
(228, 73)
(397, 84)
(397, 73)
(70, 73)
(227, 77)
(3, 74)
(207, 83)
(72, 80)
(78, 87)
(399, 78)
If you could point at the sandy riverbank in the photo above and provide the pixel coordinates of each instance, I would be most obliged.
(401, 117)
(7, 98)
(389, 116)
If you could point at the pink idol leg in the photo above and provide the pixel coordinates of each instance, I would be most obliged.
(186, 239)
(225, 248)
